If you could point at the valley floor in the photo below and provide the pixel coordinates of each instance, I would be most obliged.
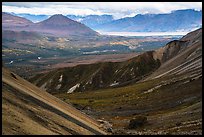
(172, 106)
(34, 66)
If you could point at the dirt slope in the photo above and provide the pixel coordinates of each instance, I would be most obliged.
(30, 110)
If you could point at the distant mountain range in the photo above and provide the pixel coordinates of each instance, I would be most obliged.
(92, 21)
(62, 26)
(179, 20)
(32, 17)
(57, 25)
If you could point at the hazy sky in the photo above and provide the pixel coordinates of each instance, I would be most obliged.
(117, 9)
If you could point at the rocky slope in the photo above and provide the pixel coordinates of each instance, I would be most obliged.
(26, 109)
(180, 56)
(98, 75)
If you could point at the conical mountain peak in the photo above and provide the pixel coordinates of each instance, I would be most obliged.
(58, 19)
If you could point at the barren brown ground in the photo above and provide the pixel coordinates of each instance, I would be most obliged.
(90, 59)
(45, 109)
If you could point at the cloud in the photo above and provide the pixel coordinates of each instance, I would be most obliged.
(117, 9)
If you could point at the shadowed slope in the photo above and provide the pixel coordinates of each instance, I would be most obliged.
(98, 75)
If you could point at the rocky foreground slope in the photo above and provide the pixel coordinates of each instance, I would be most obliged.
(26, 109)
